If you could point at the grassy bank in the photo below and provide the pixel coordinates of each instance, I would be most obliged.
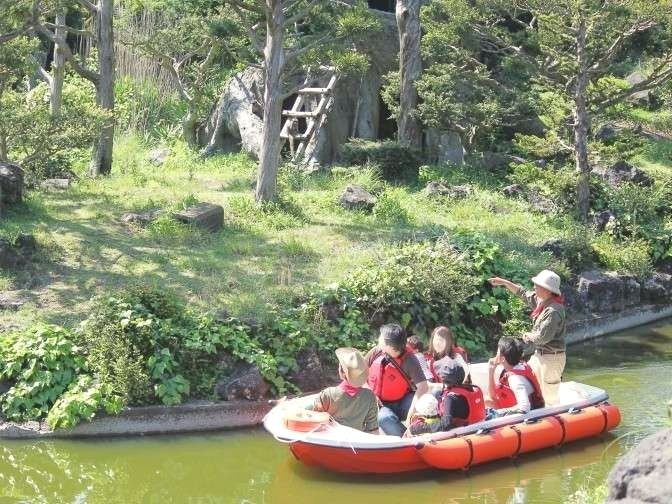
(263, 255)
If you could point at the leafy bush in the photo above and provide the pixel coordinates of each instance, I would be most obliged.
(630, 257)
(389, 209)
(83, 399)
(40, 363)
(395, 162)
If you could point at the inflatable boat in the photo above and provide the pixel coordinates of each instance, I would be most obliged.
(316, 440)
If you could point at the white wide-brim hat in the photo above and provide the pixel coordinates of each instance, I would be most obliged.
(548, 280)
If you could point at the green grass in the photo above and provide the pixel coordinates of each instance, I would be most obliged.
(263, 255)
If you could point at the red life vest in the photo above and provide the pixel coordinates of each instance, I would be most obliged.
(504, 396)
(387, 382)
(475, 403)
(455, 350)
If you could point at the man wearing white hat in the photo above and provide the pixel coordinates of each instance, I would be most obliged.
(548, 330)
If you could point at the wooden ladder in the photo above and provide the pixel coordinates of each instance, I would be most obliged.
(315, 118)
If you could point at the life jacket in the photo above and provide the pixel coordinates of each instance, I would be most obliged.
(455, 351)
(504, 396)
(388, 381)
(475, 403)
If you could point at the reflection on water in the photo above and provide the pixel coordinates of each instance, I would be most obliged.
(250, 467)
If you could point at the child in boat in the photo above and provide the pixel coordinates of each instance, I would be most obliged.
(426, 418)
(512, 385)
(349, 403)
(442, 344)
(459, 404)
(416, 346)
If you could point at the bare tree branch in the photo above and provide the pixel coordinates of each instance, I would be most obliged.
(617, 44)
(76, 65)
(69, 29)
(91, 7)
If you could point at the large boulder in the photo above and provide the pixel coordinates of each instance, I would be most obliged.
(604, 219)
(540, 203)
(245, 382)
(642, 97)
(496, 161)
(437, 188)
(513, 191)
(644, 475)
(653, 292)
(622, 172)
(607, 132)
(142, 218)
(207, 216)
(632, 291)
(17, 254)
(310, 375)
(11, 184)
(357, 198)
(601, 292)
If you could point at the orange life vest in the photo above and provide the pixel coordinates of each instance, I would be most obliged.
(387, 381)
(504, 396)
(475, 403)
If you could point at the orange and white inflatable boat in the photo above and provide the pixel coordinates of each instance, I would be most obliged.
(583, 412)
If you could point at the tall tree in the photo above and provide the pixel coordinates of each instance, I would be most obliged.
(101, 16)
(410, 68)
(296, 34)
(572, 46)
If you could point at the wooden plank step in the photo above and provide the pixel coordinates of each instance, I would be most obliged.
(315, 90)
(292, 113)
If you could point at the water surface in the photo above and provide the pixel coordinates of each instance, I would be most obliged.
(635, 367)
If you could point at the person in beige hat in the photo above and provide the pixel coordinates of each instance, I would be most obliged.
(349, 403)
(548, 330)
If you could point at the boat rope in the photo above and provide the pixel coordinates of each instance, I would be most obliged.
(470, 444)
(520, 440)
(564, 430)
(606, 418)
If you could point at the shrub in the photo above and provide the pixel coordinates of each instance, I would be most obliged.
(395, 162)
(389, 209)
(83, 399)
(41, 363)
(629, 257)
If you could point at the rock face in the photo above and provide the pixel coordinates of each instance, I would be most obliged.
(495, 161)
(11, 184)
(540, 203)
(141, 218)
(436, 189)
(601, 292)
(245, 382)
(356, 198)
(311, 375)
(642, 97)
(644, 475)
(17, 254)
(203, 215)
(622, 172)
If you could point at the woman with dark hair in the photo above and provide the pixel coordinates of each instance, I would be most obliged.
(397, 379)
(441, 346)
(515, 388)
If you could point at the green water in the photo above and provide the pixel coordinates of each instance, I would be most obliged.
(250, 467)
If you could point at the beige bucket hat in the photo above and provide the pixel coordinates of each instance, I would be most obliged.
(354, 366)
(548, 280)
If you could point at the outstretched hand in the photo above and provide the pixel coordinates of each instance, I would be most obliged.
(496, 281)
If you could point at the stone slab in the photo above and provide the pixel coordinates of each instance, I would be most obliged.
(191, 417)
(204, 215)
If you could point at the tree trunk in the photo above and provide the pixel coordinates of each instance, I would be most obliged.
(410, 68)
(3, 147)
(57, 67)
(101, 159)
(189, 128)
(274, 62)
(581, 125)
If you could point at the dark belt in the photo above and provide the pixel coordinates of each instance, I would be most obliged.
(548, 352)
